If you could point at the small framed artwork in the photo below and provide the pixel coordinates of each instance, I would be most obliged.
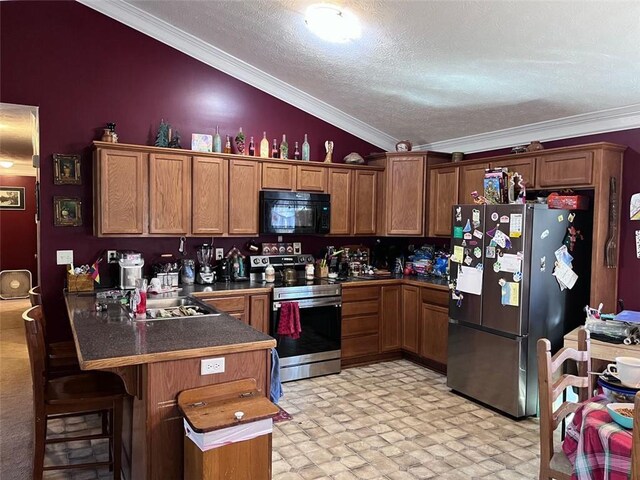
(66, 169)
(12, 198)
(67, 212)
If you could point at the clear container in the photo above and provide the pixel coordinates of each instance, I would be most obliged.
(188, 272)
(270, 274)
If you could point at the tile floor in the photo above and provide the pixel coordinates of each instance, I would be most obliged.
(393, 421)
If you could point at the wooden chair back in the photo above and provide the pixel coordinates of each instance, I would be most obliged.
(550, 390)
(34, 296)
(34, 333)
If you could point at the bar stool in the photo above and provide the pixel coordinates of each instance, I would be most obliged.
(72, 395)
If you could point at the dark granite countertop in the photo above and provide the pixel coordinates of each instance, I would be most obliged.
(106, 340)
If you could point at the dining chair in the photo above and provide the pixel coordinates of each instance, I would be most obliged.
(551, 383)
(72, 395)
(62, 355)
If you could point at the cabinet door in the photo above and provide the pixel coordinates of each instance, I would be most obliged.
(405, 196)
(364, 202)
(169, 193)
(443, 195)
(244, 187)
(311, 179)
(121, 185)
(410, 320)
(565, 169)
(210, 212)
(471, 179)
(434, 332)
(340, 191)
(391, 318)
(278, 176)
(524, 166)
(259, 312)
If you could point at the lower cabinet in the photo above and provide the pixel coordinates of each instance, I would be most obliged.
(252, 309)
(360, 321)
(391, 318)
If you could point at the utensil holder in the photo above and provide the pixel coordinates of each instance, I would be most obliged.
(79, 283)
(322, 272)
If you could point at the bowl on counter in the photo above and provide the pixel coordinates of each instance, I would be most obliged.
(621, 413)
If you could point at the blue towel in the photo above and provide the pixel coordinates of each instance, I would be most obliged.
(276, 385)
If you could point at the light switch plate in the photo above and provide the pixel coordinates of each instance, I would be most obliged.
(112, 256)
(64, 257)
(219, 253)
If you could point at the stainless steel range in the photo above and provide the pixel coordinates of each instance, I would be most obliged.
(317, 351)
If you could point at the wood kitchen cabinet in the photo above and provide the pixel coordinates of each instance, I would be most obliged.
(169, 194)
(443, 194)
(471, 180)
(250, 308)
(278, 176)
(120, 192)
(311, 179)
(390, 318)
(410, 316)
(341, 197)
(360, 322)
(210, 209)
(364, 202)
(434, 326)
(524, 166)
(244, 188)
(564, 169)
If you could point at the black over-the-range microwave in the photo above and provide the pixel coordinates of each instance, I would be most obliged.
(294, 212)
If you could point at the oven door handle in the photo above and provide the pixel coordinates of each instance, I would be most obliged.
(312, 302)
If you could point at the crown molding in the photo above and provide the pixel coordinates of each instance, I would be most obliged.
(206, 53)
(611, 120)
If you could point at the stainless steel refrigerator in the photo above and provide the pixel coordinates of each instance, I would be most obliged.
(503, 258)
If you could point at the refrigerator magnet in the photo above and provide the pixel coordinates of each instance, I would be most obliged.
(544, 234)
(490, 252)
(475, 216)
(477, 252)
(560, 218)
(477, 233)
(479, 267)
(496, 267)
(502, 282)
(504, 219)
(457, 232)
(517, 276)
(458, 214)
(467, 236)
(515, 227)
(494, 216)
(571, 216)
(468, 260)
(464, 243)
(543, 264)
(467, 227)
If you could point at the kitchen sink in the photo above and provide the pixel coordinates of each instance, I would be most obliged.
(177, 307)
(171, 302)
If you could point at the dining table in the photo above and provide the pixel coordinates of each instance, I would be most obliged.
(596, 446)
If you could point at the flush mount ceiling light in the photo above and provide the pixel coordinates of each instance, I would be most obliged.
(332, 23)
(6, 164)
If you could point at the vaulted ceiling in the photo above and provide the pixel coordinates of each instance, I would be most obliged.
(450, 75)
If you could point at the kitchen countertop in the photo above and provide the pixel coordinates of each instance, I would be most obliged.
(108, 340)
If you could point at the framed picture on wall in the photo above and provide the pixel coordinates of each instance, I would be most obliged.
(12, 198)
(66, 169)
(67, 212)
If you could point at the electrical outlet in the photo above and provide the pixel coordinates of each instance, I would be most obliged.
(279, 238)
(212, 365)
(219, 253)
(112, 256)
(64, 257)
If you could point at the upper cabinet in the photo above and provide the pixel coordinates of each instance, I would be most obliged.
(341, 198)
(365, 196)
(311, 179)
(210, 206)
(244, 187)
(278, 176)
(524, 166)
(169, 194)
(471, 180)
(443, 194)
(573, 168)
(120, 192)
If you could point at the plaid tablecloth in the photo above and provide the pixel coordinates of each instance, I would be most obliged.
(597, 447)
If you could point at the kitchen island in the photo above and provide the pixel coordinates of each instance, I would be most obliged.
(157, 360)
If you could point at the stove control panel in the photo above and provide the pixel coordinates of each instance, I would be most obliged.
(259, 261)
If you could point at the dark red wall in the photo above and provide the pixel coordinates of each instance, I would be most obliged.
(18, 229)
(629, 267)
(83, 70)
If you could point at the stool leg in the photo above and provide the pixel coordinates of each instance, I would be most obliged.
(116, 430)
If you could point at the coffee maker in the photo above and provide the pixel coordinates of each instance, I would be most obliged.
(131, 264)
(206, 275)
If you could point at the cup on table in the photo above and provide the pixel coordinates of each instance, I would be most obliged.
(627, 370)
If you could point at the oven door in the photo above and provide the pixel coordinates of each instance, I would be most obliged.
(317, 351)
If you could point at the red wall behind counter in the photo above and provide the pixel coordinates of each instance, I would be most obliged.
(83, 70)
(18, 245)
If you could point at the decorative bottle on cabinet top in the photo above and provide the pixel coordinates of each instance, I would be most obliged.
(264, 146)
(274, 149)
(296, 152)
(252, 148)
(217, 141)
(240, 138)
(227, 145)
(305, 149)
(284, 148)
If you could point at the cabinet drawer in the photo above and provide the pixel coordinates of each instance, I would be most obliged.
(366, 324)
(359, 346)
(360, 308)
(360, 293)
(227, 304)
(565, 169)
(435, 297)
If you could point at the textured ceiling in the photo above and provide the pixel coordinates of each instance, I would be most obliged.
(435, 70)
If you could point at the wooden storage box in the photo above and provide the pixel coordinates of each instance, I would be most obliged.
(79, 283)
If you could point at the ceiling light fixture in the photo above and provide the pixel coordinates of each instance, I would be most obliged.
(331, 23)
(6, 164)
